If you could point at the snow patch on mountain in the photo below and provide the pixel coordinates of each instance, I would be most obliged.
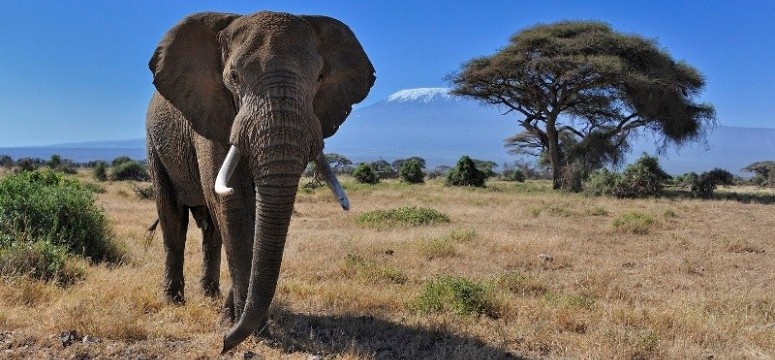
(424, 95)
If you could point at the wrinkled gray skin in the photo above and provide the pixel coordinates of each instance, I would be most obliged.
(272, 84)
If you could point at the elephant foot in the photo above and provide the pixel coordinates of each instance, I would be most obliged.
(211, 289)
(175, 295)
(228, 315)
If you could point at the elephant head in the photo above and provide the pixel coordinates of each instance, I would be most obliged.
(273, 85)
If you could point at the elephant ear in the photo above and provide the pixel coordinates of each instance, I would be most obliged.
(347, 72)
(187, 69)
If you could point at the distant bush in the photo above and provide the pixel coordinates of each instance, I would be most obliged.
(643, 178)
(100, 171)
(365, 174)
(411, 215)
(465, 173)
(129, 170)
(144, 192)
(708, 181)
(6, 161)
(384, 170)
(513, 175)
(602, 182)
(28, 164)
(458, 295)
(438, 172)
(411, 172)
(120, 160)
(44, 215)
(687, 181)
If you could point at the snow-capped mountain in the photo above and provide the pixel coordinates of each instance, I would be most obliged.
(424, 95)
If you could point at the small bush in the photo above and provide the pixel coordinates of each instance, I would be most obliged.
(644, 178)
(120, 160)
(602, 182)
(458, 295)
(365, 174)
(100, 171)
(634, 223)
(411, 172)
(411, 215)
(465, 173)
(43, 206)
(39, 260)
(513, 175)
(437, 248)
(129, 170)
(708, 181)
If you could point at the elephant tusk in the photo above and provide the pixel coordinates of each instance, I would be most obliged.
(332, 181)
(227, 169)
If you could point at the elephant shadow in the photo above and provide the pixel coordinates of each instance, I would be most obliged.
(331, 335)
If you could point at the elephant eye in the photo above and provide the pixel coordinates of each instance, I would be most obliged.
(320, 77)
(234, 76)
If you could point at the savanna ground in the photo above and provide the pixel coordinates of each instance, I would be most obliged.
(553, 276)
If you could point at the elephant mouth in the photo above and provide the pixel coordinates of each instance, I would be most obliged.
(232, 158)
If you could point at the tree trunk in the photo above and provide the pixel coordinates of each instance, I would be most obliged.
(554, 154)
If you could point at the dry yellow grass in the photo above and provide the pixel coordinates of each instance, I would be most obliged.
(565, 281)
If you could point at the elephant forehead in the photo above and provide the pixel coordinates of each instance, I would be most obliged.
(267, 24)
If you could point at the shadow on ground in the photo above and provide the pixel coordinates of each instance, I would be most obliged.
(373, 337)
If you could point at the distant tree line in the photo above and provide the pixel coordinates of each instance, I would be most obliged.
(121, 168)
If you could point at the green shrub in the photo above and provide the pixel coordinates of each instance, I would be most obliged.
(129, 170)
(513, 175)
(144, 192)
(38, 260)
(602, 182)
(120, 160)
(465, 173)
(411, 172)
(44, 206)
(643, 178)
(365, 174)
(633, 222)
(100, 171)
(458, 295)
(410, 215)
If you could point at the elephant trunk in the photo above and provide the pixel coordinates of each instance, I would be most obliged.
(280, 144)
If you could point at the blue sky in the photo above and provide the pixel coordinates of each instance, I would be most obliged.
(77, 70)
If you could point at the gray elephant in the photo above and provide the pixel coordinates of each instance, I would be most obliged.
(243, 103)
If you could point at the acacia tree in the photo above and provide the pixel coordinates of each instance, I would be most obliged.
(581, 89)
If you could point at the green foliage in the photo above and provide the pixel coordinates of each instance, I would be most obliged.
(29, 164)
(383, 169)
(708, 181)
(602, 182)
(403, 216)
(439, 171)
(129, 170)
(44, 215)
(643, 178)
(487, 167)
(45, 206)
(764, 173)
(365, 174)
(687, 180)
(513, 175)
(465, 173)
(120, 160)
(54, 162)
(39, 260)
(633, 222)
(411, 172)
(457, 295)
(371, 271)
(100, 171)
(339, 163)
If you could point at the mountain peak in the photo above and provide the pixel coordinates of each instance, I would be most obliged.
(424, 95)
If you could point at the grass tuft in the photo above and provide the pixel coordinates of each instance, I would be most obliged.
(457, 295)
(633, 222)
(371, 271)
(403, 216)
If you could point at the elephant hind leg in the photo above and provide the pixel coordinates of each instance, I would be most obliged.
(173, 218)
(211, 251)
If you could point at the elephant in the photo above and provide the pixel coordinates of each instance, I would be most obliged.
(242, 104)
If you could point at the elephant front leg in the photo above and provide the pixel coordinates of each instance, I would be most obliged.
(211, 252)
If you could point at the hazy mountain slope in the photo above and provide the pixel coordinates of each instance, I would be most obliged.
(430, 123)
